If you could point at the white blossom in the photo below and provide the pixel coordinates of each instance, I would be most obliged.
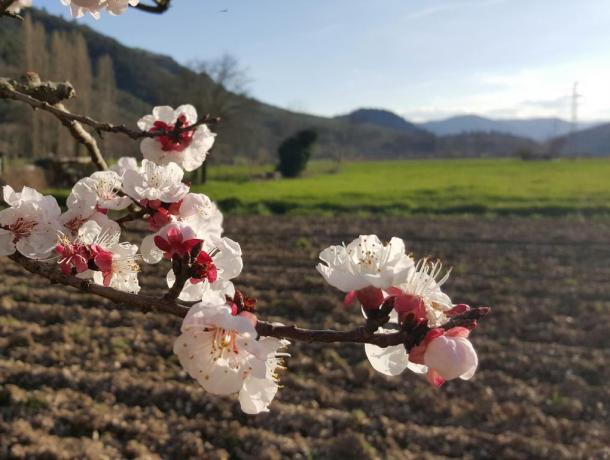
(257, 392)
(116, 262)
(116, 7)
(216, 348)
(30, 224)
(79, 7)
(101, 189)
(153, 182)
(421, 287)
(122, 271)
(124, 164)
(188, 149)
(80, 213)
(365, 262)
(201, 213)
(221, 352)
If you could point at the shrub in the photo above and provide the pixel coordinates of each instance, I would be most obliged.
(294, 153)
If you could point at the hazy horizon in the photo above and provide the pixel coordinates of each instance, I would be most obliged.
(425, 61)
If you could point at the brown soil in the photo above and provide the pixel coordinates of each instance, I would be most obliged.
(80, 380)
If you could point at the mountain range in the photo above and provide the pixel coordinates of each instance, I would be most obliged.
(139, 79)
(456, 135)
(537, 129)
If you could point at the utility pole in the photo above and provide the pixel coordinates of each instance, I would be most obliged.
(574, 124)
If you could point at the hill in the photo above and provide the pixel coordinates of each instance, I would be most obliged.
(593, 141)
(382, 118)
(141, 80)
(118, 83)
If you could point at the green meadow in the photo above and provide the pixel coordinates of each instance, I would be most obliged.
(463, 186)
(460, 186)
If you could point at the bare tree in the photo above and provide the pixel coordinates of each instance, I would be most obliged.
(220, 86)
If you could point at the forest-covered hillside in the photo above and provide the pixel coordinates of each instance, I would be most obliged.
(120, 84)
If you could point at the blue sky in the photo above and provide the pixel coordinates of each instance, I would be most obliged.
(424, 59)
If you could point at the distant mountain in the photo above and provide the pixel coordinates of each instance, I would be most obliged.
(593, 141)
(383, 118)
(538, 129)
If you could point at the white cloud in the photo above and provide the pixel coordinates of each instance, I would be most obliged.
(530, 92)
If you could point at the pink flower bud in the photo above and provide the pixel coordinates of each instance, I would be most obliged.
(448, 355)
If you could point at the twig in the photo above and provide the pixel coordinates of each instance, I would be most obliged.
(148, 303)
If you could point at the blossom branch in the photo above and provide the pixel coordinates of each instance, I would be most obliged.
(147, 303)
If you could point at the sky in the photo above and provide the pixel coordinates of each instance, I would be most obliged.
(423, 59)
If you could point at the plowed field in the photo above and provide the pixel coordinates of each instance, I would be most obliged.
(80, 379)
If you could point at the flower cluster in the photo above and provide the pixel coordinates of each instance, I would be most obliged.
(219, 345)
(78, 8)
(371, 273)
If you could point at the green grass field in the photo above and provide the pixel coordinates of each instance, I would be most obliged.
(479, 186)
(427, 186)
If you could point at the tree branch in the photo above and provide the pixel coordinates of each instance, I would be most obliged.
(81, 135)
(142, 302)
(49, 96)
(8, 90)
(159, 7)
(146, 303)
